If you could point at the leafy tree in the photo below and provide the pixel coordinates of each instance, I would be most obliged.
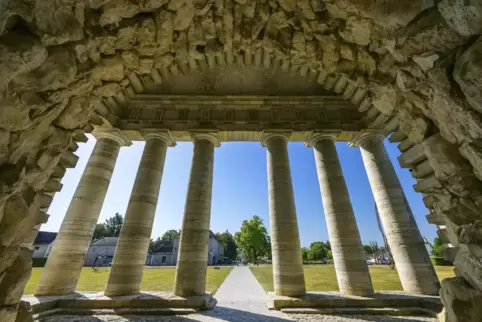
(230, 248)
(171, 234)
(438, 247)
(153, 244)
(305, 253)
(114, 225)
(100, 232)
(318, 250)
(110, 228)
(253, 239)
(329, 255)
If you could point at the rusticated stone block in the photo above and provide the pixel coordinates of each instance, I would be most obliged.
(462, 302)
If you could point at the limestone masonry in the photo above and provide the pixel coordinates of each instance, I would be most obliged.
(210, 71)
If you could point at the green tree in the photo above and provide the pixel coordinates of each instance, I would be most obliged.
(100, 232)
(114, 224)
(253, 239)
(304, 253)
(171, 234)
(318, 250)
(153, 244)
(438, 247)
(230, 248)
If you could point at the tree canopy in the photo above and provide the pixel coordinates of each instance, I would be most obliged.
(110, 228)
(171, 234)
(230, 248)
(438, 247)
(253, 239)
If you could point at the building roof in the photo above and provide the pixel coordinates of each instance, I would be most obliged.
(105, 241)
(165, 246)
(44, 238)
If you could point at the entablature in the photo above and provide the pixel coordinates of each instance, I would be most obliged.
(242, 113)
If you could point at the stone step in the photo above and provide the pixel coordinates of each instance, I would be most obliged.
(380, 300)
(392, 311)
(124, 311)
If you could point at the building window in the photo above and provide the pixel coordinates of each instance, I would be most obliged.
(163, 260)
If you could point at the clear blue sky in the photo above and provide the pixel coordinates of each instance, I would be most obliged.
(240, 189)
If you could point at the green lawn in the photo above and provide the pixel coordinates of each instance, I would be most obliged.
(323, 277)
(154, 279)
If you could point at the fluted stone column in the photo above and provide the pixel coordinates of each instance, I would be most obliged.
(64, 264)
(348, 254)
(131, 251)
(288, 275)
(192, 261)
(412, 261)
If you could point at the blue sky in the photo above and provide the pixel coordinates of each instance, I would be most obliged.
(240, 188)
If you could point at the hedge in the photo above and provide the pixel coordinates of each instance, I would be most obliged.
(440, 261)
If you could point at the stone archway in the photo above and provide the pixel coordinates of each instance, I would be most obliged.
(66, 66)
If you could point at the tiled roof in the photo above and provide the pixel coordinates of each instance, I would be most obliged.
(44, 238)
(105, 241)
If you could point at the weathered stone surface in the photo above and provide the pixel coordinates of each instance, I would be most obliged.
(461, 301)
(11, 10)
(357, 31)
(463, 16)
(53, 54)
(472, 151)
(19, 54)
(59, 21)
(57, 71)
(468, 73)
(111, 69)
(115, 10)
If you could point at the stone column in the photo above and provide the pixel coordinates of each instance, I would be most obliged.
(288, 275)
(192, 261)
(131, 251)
(64, 264)
(348, 254)
(412, 261)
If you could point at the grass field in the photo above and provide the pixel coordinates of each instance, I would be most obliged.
(154, 279)
(323, 277)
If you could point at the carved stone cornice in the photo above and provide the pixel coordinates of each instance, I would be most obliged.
(112, 134)
(164, 135)
(364, 135)
(318, 136)
(208, 135)
(267, 135)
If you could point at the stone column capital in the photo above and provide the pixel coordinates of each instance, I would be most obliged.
(267, 135)
(211, 136)
(318, 136)
(164, 135)
(112, 134)
(362, 136)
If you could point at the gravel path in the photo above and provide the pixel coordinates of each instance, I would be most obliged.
(240, 299)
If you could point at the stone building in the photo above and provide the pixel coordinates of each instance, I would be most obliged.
(269, 71)
(166, 252)
(103, 248)
(43, 244)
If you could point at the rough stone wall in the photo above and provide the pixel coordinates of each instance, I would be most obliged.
(67, 64)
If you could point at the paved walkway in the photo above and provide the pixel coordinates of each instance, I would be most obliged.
(240, 299)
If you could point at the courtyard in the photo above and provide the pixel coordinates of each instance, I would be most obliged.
(318, 277)
(154, 279)
(323, 277)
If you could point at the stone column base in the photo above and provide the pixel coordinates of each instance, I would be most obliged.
(383, 303)
(96, 303)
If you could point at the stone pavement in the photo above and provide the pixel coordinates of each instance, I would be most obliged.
(240, 299)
